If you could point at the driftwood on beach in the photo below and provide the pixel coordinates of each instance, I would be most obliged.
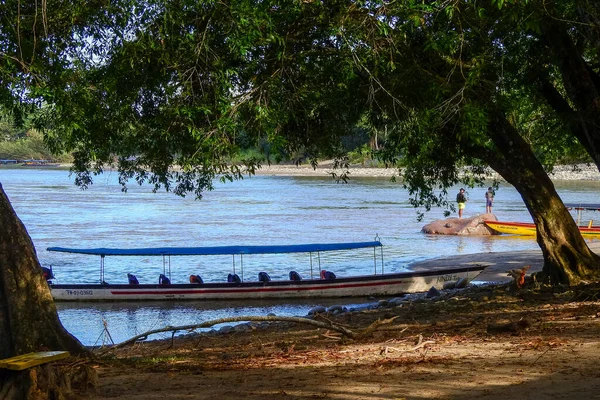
(206, 324)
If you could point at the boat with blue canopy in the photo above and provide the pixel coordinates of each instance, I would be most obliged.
(324, 284)
(220, 250)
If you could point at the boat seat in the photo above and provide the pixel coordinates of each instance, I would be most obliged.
(132, 279)
(196, 279)
(163, 280)
(233, 278)
(263, 277)
(47, 273)
(327, 275)
(294, 276)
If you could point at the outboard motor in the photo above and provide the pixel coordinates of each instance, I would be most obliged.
(233, 278)
(196, 279)
(263, 277)
(132, 279)
(163, 280)
(47, 273)
(294, 276)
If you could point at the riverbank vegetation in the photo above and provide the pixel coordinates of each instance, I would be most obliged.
(30, 147)
(24, 142)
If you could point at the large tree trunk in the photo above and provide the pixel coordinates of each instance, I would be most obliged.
(567, 258)
(582, 86)
(28, 318)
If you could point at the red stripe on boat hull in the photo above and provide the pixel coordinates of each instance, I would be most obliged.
(257, 290)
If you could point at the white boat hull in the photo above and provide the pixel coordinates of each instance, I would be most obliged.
(376, 285)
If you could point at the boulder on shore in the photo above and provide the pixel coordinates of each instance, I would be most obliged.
(461, 226)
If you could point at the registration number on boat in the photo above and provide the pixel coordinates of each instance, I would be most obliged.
(447, 278)
(80, 292)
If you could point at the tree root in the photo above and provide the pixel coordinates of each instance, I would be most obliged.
(420, 344)
(47, 381)
(368, 331)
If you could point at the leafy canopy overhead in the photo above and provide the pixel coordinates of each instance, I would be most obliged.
(189, 83)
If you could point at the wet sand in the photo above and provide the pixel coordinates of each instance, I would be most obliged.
(498, 263)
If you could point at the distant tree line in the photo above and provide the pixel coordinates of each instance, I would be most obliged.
(362, 145)
(23, 142)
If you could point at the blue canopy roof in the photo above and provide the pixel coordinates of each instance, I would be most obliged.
(219, 250)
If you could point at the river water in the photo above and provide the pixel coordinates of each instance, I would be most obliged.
(255, 211)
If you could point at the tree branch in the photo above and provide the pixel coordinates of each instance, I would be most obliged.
(207, 324)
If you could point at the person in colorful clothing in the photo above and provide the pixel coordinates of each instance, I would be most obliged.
(489, 200)
(461, 199)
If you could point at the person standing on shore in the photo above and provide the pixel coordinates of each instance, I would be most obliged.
(461, 199)
(489, 200)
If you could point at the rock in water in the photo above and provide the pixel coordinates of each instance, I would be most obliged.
(317, 310)
(461, 283)
(335, 309)
(432, 292)
(462, 226)
(450, 285)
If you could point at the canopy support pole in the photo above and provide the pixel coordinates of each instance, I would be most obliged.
(319, 258)
(375, 260)
(375, 252)
(381, 248)
(102, 269)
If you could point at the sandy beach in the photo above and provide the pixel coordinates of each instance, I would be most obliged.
(579, 172)
(497, 262)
